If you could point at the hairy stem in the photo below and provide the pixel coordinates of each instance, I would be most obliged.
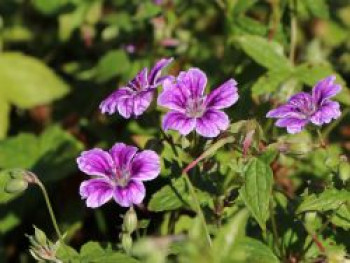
(49, 208)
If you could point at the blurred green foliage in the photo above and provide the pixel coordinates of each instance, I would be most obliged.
(60, 58)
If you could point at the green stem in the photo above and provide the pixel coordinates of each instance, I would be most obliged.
(274, 230)
(293, 31)
(49, 207)
(320, 137)
(198, 208)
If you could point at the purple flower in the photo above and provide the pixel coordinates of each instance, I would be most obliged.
(135, 98)
(118, 173)
(191, 110)
(303, 107)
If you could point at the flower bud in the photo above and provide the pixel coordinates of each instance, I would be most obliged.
(42, 249)
(130, 221)
(14, 186)
(40, 236)
(295, 148)
(127, 243)
(344, 171)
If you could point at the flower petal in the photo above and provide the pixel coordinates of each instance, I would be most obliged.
(145, 166)
(133, 193)
(194, 80)
(211, 123)
(140, 81)
(328, 111)
(95, 162)
(301, 100)
(156, 71)
(122, 154)
(173, 96)
(284, 111)
(178, 121)
(110, 104)
(96, 192)
(325, 89)
(224, 96)
(293, 125)
(142, 102)
(125, 107)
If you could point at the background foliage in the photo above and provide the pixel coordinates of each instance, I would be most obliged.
(60, 58)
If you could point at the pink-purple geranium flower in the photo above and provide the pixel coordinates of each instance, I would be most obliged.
(303, 107)
(191, 110)
(134, 99)
(118, 174)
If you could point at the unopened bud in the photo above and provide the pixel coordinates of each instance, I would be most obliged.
(344, 171)
(295, 148)
(40, 236)
(14, 186)
(127, 243)
(130, 221)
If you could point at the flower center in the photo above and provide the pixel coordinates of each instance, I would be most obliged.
(195, 108)
(121, 176)
(308, 110)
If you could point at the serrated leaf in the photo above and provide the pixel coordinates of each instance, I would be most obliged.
(113, 63)
(252, 250)
(229, 235)
(268, 54)
(330, 199)
(27, 82)
(256, 191)
(170, 197)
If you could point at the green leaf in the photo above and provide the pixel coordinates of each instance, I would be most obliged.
(310, 74)
(268, 54)
(48, 7)
(330, 199)
(68, 254)
(8, 222)
(27, 82)
(170, 197)
(251, 250)
(341, 217)
(269, 82)
(318, 8)
(51, 156)
(92, 252)
(256, 191)
(4, 118)
(230, 235)
(241, 6)
(113, 63)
